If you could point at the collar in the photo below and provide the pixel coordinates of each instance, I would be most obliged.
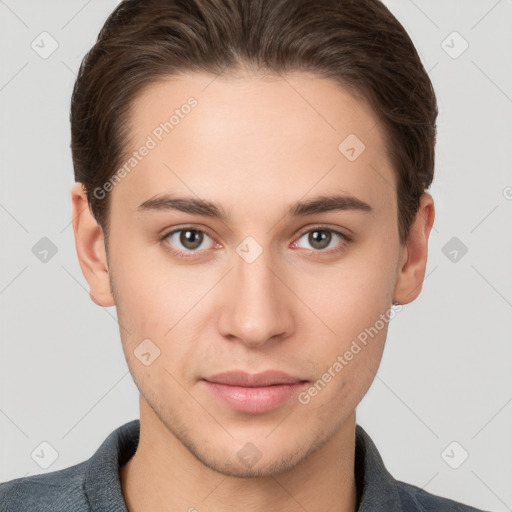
(376, 487)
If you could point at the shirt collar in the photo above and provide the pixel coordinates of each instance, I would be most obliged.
(102, 482)
(377, 489)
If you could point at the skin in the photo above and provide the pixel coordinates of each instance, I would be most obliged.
(255, 145)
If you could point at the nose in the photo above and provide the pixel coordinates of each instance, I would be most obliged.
(257, 305)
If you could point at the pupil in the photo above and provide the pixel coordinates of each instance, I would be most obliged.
(191, 239)
(318, 238)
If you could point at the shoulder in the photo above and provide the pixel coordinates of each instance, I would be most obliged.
(56, 491)
(415, 499)
(381, 491)
(94, 482)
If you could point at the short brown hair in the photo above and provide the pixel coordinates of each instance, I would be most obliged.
(358, 43)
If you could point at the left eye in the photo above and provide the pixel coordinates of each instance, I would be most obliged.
(190, 239)
(320, 239)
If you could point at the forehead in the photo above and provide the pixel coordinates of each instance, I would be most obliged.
(270, 136)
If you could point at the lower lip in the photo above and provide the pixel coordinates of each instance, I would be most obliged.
(254, 400)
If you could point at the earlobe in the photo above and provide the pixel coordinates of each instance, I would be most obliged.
(413, 263)
(90, 248)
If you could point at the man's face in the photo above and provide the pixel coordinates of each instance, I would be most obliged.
(260, 289)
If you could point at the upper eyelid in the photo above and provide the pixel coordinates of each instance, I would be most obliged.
(302, 232)
(323, 228)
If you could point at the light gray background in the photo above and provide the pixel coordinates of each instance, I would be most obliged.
(446, 371)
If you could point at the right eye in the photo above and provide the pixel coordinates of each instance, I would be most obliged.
(187, 241)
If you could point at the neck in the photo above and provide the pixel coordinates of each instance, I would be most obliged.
(164, 475)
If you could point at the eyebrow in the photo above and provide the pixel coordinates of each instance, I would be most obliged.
(207, 208)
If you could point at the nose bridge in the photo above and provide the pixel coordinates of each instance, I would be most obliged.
(257, 309)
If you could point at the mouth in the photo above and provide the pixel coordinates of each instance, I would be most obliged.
(254, 393)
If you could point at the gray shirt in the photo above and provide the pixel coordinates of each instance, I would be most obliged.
(94, 484)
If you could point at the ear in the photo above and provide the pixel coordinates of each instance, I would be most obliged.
(90, 248)
(413, 260)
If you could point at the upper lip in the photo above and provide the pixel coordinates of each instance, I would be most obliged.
(252, 380)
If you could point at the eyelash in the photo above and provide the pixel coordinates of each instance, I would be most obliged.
(345, 240)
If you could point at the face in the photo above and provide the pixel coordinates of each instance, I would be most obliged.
(265, 276)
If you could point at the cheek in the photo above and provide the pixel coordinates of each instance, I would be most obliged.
(156, 298)
(144, 291)
(351, 294)
(354, 301)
